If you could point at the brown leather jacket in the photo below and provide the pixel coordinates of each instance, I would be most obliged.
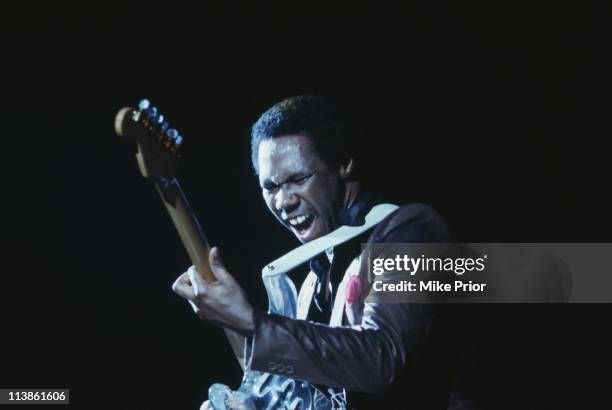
(393, 355)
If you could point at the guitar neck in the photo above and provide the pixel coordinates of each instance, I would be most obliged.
(186, 224)
(157, 157)
(194, 241)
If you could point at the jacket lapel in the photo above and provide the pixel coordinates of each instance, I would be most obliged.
(338, 309)
(305, 296)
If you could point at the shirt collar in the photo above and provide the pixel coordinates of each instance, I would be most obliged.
(355, 214)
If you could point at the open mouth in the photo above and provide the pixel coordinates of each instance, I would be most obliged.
(301, 223)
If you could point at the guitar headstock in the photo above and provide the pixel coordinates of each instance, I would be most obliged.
(158, 143)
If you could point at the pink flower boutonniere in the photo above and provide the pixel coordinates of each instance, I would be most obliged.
(353, 289)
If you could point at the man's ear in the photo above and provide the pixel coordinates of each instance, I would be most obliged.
(347, 170)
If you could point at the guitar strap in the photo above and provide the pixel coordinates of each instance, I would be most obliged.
(282, 293)
(311, 249)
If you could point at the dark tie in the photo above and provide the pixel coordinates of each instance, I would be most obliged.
(321, 311)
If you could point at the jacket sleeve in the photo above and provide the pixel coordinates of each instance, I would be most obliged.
(366, 357)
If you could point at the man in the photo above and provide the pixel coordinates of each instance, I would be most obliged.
(396, 355)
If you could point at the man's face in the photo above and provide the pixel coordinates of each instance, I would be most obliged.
(299, 188)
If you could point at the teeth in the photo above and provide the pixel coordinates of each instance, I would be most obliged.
(298, 220)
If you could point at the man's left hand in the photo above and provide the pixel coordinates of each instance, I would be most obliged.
(223, 302)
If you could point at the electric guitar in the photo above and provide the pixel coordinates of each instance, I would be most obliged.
(159, 147)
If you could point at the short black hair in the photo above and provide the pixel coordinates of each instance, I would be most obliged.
(330, 125)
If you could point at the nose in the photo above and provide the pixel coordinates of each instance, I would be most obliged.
(285, 200)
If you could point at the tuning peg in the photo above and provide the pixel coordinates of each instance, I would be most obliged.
(174, 145)
(149, 117)
(151, 113)
(170, 144)
(173, 136)
(143, 104)
(163, 128)
(156, 123)
(169, 136)
(177, 145)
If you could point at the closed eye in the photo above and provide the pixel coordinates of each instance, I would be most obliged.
(270, 186)
(303, 179)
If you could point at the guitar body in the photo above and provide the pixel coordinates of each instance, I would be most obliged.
(158, 153)
(268, 392)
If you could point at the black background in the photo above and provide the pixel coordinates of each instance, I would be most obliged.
(494, 113)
